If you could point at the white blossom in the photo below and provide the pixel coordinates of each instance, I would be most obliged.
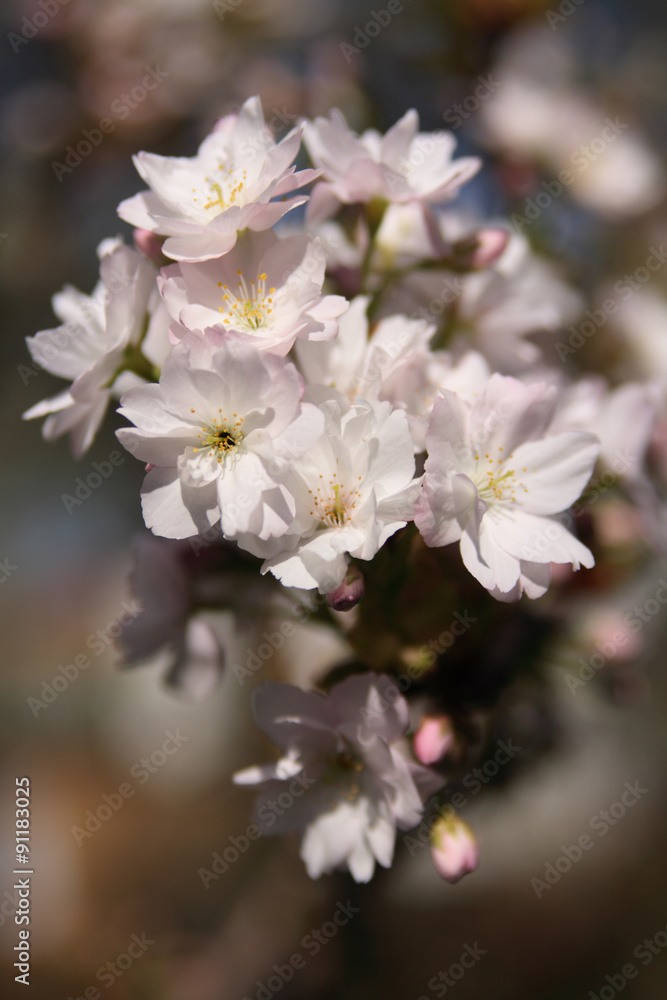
(201, 203)
(266, 291)
(350, 785)
(403, 165)
(100, 333)
(219, 432)
(494, 482)
(352, 490)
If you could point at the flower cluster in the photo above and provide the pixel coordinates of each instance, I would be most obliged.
(303, 394)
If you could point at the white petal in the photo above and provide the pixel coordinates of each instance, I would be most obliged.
(176, 511)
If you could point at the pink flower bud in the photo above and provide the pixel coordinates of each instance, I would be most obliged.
(482, 249)
(612, 637)
(433, 739)
(151, 245)
(349, 593)
(454, 848)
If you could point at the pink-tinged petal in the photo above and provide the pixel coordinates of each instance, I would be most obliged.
(65, 351)
(246, 127)
(508, 413)
(201, 245)
(271, 213)
(323, 203)
(142, 210)
(282, 710)
(380, 708)
(447, 437)
(149, 244)
(461, 171)
(396, 142)
(446, 508)
(427, 781)
(295, 180)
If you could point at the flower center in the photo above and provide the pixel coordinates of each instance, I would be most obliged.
(495, 483)
(250, 307)
(333, 505)
(225, 191)
(343, 772)
(221, 436)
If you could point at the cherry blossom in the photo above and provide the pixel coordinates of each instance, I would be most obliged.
(352, 490)
(494, 482)
(219, 431)
(201, 203)
(349, 783)
(122, 325)
(403, 165)
(266, 291)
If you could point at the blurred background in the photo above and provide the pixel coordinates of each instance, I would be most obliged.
(524, 84)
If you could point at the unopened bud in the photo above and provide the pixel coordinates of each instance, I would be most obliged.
(480, 250)
(150, 244)
(433, 739)
(349, 593)
(454, 848)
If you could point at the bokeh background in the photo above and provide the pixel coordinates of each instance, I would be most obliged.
(553, 73)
